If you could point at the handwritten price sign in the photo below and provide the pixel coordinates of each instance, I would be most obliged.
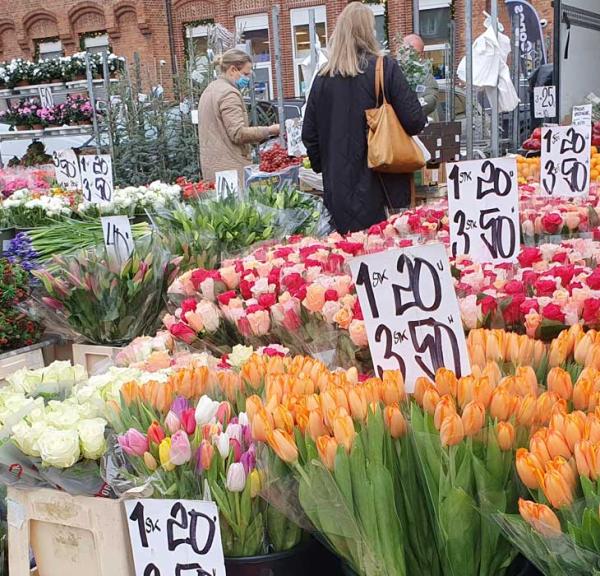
(118, 237)
(226, 183)
(96, 178)
(483, 200)
(175, 538)
(67, 171)
(565, 169)
(544, 101)
(411, 313)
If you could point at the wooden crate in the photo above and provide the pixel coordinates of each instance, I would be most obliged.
(32, 359)
(94, 359)
(69, 535)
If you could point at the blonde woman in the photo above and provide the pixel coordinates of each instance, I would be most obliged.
(335, 127)
(225, 135)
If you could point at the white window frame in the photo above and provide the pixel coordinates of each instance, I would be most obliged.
(434, 48)
(96, 41)
(433, 4)
(299, 17)
(53, 49)
(258, 22)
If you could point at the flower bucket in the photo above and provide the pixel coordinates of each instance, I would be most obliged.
(6, 235)
(307, 557)
(37, 127)
(21, 127)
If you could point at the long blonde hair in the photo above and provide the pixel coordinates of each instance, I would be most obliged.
(351, 42)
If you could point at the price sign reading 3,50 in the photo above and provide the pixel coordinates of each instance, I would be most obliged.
(565, 169)
(66, 168)
(175, 538)
(411, 313)
(96, 178)
(483, 201)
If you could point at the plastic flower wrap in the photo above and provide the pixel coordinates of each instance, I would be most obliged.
(103, 301)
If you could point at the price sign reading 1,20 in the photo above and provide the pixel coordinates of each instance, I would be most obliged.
(96, 178)
(175, 538)
(565, 169)
(411, 312)
(483, 200)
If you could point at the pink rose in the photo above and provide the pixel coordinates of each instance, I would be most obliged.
(358, 333)
(315, 298)
(552, 223)
(260, 322)
(183, 332)
(230, 276)
(330, 309)
(532, 322)
(209, 314)
(194, 321)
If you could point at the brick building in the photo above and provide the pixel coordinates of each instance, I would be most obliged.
(34, 28)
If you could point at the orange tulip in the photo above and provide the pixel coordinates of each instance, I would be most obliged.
(556, 489)
(557, 445)
(592, 360)
(492, 373)
(582, 393)
(343, 429)
(395, 421)
(357, 401)
(464, 390)
(164, 397)
(559, 381)
(253, 405)
(503, 404)
(313, 402)
(341, 399)
(130, 392)
(393, 387)
(283, 444)
(252, 373)
(282, 418)
(446, 382)
(541, 518)
(526, 410)
(430, 400)
(328, 405)
(451, 430)
(592, 428)
(262, 425)
(316, 427)
(477, 355)
(492, 348)
(473, 418)
(327, 449)
(529, 468)
(544, 405)
(184, 385)
(587, 459)
(301, 416)
(531, 384)
(582, 349)
(444, 408)
(559, 351)
(421, 385)
(574, 428)
(482, 391)
(566, 468)
(505, 433)
(537, 445)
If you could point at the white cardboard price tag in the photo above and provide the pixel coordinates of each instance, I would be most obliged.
(96, 178)
(544, 101)
(226, 183)
(175, 538)
(118, 237)
(483, 202)
(46, 96)
(67, 171)
(582, 115)
(411, 313)
(565, 168)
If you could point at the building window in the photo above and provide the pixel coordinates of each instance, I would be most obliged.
(301, 39)
(96, 43)
(197, 50)
(380, 27)
(434, 25)
(255, 29)
(48, 49)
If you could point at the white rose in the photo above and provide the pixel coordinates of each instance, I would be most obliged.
(27, 437)
(62, 416)
(91, 437)
(240, 355)
(59, 448)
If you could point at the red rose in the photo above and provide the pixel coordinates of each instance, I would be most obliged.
(529, 277)
(267, 300)
(311, 262)
(331, 295)
(254, 308)
(553, 312)
(243, 326)
(488, 305)
(188, 305)
(334, 263)
(593, 280)
(272, 352)
(293, 281)
(414, 221)
(274, 276)
(246, 289)
(226, 297)
(528, 256)
(300, 293)
(183, 332)
(560, 257)
(514, 287)
(591, 311)
(291, 320)
(528, 305)
(353, 248)
(565, 273)
(357, 310)
(552, 223)
(512, 312)
(283, 252)
(307, 251)
(545, 287)
(199, 276)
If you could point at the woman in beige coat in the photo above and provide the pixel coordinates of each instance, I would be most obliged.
(225, 136)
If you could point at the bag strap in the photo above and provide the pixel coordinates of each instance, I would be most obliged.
(379, 83)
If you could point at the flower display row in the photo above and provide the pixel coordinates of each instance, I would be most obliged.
(29, 115)
(13, 179)
(19, 72)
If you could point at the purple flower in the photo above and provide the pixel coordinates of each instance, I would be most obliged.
(179, 405)
(248, 460)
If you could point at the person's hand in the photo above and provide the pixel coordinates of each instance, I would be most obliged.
(274, 130)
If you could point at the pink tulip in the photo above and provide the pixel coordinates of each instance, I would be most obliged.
(224, 413)
(133, 442)
(181, 451)
(237, 449)
(188, 421)
(205, 454)
(172, 423)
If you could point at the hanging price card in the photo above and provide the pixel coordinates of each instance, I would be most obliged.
(118, 237)
(46, 96)
(411, 313)
(544, 101)
(226, 183)
(483, 201)
(67, 171)
(96, 178)
(582, 116)
(175, 538)
(565, 169)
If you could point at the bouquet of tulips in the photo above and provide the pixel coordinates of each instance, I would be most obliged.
(350, 470)
(103, 301)
(185, 446)
(558, 526)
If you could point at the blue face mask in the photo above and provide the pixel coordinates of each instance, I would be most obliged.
(242, 82)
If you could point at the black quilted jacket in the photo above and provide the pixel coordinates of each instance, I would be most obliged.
(335, 136)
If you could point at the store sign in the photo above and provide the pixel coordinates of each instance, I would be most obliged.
(565, 169)
(226, 183)
(411, 313)
(66, 170)
(96, 178)
(118, 237)
(175, 538)
(544, 101)
(483, 203)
